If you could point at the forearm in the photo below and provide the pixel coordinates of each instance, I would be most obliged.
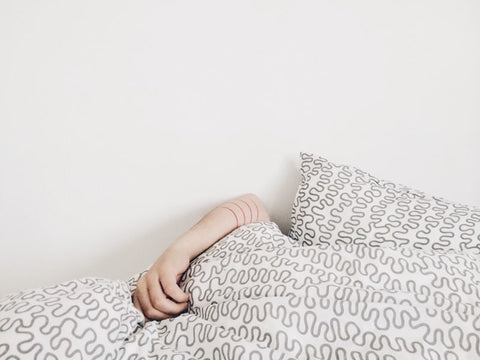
(157, 294)
(219, 222)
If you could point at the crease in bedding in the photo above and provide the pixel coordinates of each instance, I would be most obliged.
(258, 294)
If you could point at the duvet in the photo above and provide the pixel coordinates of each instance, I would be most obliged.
(257, 294)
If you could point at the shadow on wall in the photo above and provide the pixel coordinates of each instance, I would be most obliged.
(283, 194)
(138, 254)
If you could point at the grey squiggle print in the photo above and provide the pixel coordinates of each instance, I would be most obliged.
(80, 319)
(343, 204)
(258, 294)
(340, 301)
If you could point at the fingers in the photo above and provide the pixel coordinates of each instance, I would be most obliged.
(160, 301)
(136, 303)
(172, 289)
(153, 302)
(142, 301)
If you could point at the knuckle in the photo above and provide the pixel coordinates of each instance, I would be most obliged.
(157, 303)
(150, 277)
(150, 313)
(140, 291)
(168, 288)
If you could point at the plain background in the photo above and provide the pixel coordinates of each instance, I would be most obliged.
(123, 122)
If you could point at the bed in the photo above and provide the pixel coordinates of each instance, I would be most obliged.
(369, 270)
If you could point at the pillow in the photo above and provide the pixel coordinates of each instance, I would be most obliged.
(343, 204)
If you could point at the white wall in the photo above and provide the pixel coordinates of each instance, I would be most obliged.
(123, 122)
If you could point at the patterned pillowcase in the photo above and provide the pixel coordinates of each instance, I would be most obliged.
(343, 204)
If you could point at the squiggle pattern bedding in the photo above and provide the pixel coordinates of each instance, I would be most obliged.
(257, 294)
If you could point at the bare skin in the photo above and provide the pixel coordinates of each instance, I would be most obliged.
(157, 294)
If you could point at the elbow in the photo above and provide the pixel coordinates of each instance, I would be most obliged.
(246, 209)
(261, 211)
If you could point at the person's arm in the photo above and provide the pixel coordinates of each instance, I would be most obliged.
(157, 294)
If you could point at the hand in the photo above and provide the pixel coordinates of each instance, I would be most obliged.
(157, 294)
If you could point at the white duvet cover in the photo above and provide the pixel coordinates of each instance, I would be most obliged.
(257, 294)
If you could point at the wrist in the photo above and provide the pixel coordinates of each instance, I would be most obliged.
(181, 248)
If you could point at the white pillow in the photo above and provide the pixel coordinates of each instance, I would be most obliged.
(343, 204)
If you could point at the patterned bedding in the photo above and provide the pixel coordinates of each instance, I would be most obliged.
(258, 294)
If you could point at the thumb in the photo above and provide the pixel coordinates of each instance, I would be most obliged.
(179, 276)
(172, 289)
